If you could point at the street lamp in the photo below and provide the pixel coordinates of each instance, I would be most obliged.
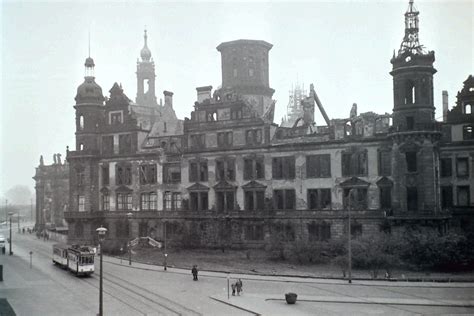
(101, 231)
(10, 214)
(349, 247)
(129, 245)
(164, 265)
(166, 253)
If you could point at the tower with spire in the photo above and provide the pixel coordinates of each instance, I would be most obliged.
(415, 134)
(89, 109)
(146, 72)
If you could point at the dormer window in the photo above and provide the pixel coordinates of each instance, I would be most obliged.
(211, 116)
(115, 118)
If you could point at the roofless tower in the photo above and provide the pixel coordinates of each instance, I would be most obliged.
(415, 134)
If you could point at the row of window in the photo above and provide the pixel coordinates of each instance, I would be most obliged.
(317, 166)
(226, 139)
(148, 201)
(283, 199)
(463, 197)
(462, 167)
(125, 144)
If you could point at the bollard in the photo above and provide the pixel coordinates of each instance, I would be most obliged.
(1, 272)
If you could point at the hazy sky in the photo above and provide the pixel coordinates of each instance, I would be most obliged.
(343, 47)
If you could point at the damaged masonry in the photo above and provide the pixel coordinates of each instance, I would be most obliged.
(229, 176)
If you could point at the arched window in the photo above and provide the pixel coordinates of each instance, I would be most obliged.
(81, 122)
(81, 146)
(467, 109)
(410, 93)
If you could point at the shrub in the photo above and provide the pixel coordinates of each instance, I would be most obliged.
(428, 250)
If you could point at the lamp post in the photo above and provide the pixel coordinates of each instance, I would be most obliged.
(101, 231)
(349, 247)
(10, 214)
(129, 245)
(166, 253)
(165, 264)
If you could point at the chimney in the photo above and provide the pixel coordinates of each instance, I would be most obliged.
(203, 93)
(445, 105)
(168, 98)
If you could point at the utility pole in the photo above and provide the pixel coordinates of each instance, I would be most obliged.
(6, 211)
(11, 214)
(31, 210)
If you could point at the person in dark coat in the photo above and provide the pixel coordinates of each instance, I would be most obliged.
(238, 285)
(194, 271)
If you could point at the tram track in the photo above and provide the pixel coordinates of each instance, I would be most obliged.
(145, 302)
(148, 295)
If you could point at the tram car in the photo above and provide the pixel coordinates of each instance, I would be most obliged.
(75, 258)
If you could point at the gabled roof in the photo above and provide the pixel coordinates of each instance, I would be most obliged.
(198, 187)
(385, 182)
(123, 189)
(253, 185)
(354, 182)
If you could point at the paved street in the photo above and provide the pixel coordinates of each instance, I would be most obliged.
(148, 290)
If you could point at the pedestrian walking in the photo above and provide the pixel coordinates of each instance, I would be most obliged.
(233, 288)
(194, 271)
(238, 286)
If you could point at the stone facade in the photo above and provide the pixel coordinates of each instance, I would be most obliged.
(52, 193)
(230, 176)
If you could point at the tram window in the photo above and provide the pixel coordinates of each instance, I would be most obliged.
(87, 260)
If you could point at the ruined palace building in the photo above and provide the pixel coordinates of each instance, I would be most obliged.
(228, 175)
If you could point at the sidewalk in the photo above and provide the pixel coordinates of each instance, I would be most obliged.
(260, 304)
(284, 278)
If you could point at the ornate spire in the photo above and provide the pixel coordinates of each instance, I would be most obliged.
(410, 41)
(145, 53)
(89, 64)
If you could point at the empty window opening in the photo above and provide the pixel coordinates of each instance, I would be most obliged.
(81, 122)
(462, 167)
(284, 199)
(81, 146)
(446, 196)
(411, 161)
(468, 109)
(463, 196)
(410, 93)
(446, 167)
(468, 132)
(385, 197)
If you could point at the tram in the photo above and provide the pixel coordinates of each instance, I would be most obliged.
(77, 259)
